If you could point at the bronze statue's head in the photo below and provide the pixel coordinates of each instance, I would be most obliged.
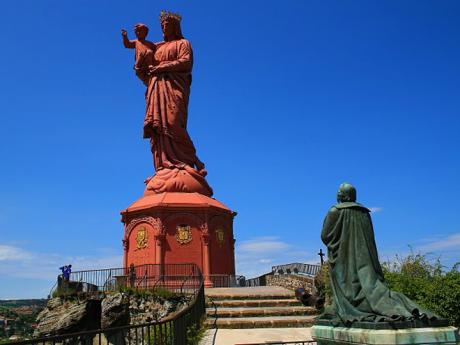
(170, 25)
(346, 193)
(141, 31)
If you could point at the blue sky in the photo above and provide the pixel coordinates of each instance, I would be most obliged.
(289, 99)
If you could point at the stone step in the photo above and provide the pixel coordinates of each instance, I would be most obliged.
(251, 297)
(261, 322)
(251, 293)
(254, 303)
(260, 311)
(259, 292)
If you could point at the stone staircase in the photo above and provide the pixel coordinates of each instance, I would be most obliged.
(256, 307)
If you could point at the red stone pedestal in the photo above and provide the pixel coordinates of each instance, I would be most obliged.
(172, 228)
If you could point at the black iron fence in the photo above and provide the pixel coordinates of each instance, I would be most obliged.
(173, 277)
(225, 280)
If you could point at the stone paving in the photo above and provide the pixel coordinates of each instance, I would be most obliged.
(254, 336)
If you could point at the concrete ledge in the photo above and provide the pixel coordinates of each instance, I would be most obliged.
(328, 335)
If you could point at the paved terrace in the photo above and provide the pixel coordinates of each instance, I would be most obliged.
(254, 336)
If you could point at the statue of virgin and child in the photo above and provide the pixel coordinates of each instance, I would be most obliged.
(165, 68)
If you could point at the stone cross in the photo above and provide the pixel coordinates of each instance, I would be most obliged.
(321, 255)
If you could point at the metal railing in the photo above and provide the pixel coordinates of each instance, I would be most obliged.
(172, 330)
(257, 281)
(221, 280)
(297, 268)
(225, 280)
(173, 277)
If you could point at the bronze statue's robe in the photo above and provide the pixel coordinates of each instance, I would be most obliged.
(358, 286)
(167, 98)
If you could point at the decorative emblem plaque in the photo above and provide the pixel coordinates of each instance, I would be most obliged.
(183, 234)
(220, 236)
(141, 238)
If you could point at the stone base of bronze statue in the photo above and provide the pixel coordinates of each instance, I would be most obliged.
(330, 335)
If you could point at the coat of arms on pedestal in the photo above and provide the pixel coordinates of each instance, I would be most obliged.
(141, 238)
(220, 238)
(183, 234)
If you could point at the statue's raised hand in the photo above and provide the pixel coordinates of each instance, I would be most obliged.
(124, 33)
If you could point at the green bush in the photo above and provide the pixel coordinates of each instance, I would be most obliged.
(322, 283)
(194, 335)
(427, 284)
(159, 292)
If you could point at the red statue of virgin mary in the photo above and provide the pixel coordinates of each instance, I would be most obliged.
(178, 169)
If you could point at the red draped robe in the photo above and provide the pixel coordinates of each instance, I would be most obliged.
(166, 107)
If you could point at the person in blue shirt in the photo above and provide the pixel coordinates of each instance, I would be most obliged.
(66, 270)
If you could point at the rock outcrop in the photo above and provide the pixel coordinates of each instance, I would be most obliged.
(63, 316)
(115, 310)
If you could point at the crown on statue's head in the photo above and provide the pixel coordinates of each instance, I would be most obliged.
(165, 15)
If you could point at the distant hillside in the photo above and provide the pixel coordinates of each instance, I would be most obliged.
(15, 303)
(17, 317)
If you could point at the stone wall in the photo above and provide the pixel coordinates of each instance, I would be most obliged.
(290, 281)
